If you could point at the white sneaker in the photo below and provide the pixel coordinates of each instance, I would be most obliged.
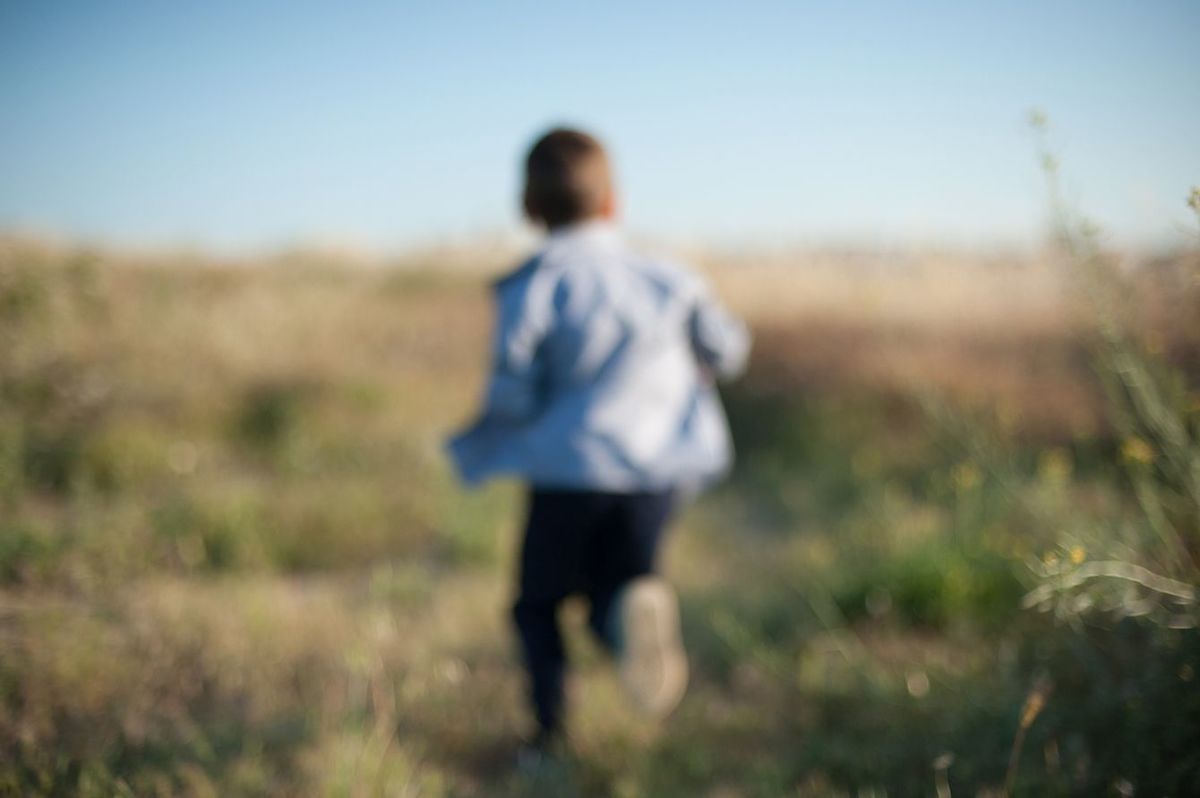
(650, 658)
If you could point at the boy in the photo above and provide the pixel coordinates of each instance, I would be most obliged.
(601, 398)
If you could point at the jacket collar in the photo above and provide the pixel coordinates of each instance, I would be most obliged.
(590, 231)
(587, 230)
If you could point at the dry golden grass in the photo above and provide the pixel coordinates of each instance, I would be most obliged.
(257, 576)
(1009, 334)
(1010, 329)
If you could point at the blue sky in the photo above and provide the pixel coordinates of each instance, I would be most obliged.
(234, 125)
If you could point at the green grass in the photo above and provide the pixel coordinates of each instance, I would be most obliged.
(233, 561)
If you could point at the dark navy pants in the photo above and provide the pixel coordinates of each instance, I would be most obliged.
(578, 542)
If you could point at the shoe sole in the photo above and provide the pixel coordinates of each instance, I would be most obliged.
(652, 665)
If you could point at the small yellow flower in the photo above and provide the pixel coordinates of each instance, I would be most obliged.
(1077, 554)
(1136, 450)
(965, 476)
(1194, 199)
(1055, 466)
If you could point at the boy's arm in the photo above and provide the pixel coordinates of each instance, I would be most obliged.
(513, 393)
(514, 386)
(719, 339)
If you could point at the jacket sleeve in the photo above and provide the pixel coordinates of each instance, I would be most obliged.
(513, 394)
(719, 339)
(523, 317)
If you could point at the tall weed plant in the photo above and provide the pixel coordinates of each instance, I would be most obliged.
(1148, 563)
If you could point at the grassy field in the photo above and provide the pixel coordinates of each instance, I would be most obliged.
(958, 556)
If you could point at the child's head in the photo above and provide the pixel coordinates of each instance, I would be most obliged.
(567, 179)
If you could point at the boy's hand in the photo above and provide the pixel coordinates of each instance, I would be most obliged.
(719, 339)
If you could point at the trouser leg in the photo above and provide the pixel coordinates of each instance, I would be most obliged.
(625, 548)
(555, 533)
(545, 659)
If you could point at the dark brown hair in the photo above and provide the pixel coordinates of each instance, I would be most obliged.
(566, 178)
